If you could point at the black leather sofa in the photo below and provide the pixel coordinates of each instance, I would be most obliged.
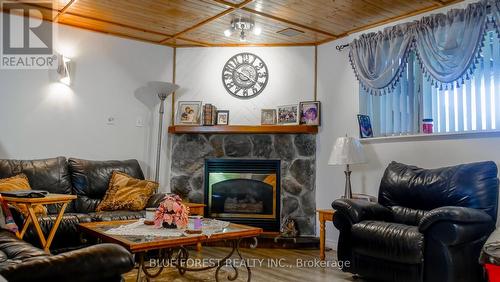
(88, 180)
(428, 225)
(20, 261)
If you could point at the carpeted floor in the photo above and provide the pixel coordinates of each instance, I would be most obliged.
(268, 265)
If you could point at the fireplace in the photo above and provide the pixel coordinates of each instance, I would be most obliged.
(244, 191)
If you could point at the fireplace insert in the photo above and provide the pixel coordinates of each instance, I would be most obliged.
(243, 191)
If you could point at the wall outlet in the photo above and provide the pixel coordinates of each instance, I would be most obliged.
(110, 120)
(139, 121)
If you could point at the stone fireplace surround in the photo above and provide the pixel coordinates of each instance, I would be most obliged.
(297, 153)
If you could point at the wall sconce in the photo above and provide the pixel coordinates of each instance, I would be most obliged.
(63, 70)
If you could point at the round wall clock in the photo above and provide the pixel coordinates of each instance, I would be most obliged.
(245, 75)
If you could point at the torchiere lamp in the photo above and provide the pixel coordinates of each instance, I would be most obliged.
(347, 151)
(163, 89)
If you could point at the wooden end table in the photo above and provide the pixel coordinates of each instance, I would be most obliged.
(324, 216)
(47, 200)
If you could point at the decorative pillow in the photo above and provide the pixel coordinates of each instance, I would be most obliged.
(20, 182)
(127, 193)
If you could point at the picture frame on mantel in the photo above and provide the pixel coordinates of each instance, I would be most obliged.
(223, 117)
(189, 113)
(268, 117)
(288, 114)
(310, 113)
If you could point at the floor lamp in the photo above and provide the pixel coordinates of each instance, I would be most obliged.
(162, 89)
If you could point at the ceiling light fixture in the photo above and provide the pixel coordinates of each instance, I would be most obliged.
(242, 26)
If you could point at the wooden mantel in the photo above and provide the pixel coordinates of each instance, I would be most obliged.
(244, 129)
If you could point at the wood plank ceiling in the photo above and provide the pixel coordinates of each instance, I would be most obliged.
(187, 23)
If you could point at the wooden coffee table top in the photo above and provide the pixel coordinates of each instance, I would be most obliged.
(144, 243)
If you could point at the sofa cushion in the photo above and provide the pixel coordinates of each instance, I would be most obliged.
(116, 215)
(51, 175)
(127, 193)
(408, 216)
(389, 241)
(91, 179)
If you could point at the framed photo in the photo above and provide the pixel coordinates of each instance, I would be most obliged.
(288, 114)
(222, 117)
(310, 113)
(268, 117)
(365, 126)
(189, 112)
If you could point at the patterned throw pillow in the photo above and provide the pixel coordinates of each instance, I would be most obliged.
(127, 193)
(20, 182)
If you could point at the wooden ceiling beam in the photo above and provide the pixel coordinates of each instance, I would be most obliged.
(265, 15)
(211, 19)
(63, 10)
(289, 22)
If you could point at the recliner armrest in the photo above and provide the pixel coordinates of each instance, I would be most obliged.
(356, 210)
(95, 263)
(454, 215)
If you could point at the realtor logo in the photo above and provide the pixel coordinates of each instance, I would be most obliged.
(27, 40)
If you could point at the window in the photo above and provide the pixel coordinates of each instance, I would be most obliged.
(473, 106)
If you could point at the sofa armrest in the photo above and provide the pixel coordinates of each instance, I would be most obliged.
(456, 225)
(454, 215)
(155, 200)
(95, 263)
(351, 211)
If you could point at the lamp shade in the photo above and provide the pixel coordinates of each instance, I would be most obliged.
(163, 89)
(346, 151)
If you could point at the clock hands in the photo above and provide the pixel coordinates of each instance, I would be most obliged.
(241, 73)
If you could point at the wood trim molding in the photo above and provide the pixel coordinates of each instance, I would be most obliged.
(63, 10)
(315, 73)
(206, 21)
(174, 67)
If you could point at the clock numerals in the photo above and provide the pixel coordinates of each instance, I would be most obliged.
(254, 90)
(228, 76)
(246, 58)
(230, 84)
(262, 74)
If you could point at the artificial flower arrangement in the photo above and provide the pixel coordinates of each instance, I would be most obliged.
(172, 213)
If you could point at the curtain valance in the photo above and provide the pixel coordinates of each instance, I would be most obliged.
(446, 45)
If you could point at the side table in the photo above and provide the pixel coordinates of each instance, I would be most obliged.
(47, 200)
(324, 216)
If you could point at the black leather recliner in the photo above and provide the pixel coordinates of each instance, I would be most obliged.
(428, 225)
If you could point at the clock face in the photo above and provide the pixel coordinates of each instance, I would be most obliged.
(245, 75)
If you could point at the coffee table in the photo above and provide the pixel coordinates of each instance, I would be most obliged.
(173, 249)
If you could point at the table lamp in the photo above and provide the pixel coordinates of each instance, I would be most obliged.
(347, 151)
